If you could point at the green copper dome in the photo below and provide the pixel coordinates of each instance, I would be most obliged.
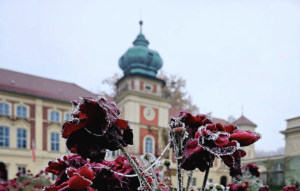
(139, 59)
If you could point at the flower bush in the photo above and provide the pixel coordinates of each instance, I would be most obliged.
(26, 181)
(96, 128)
(290, 188)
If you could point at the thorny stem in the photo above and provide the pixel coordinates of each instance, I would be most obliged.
(134, 166)
(190, 175)
(206, 176)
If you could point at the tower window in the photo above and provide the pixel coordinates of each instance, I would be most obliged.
(149, 145)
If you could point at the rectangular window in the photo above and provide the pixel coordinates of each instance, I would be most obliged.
(22, 138)
(54, 141)
(4, 137)
(193, 181)
(22, 170)
(210, 181)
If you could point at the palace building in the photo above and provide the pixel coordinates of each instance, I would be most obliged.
(33, 109)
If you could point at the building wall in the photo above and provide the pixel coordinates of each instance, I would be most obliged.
(38, 126)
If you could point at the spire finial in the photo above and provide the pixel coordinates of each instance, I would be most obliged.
(141, 24)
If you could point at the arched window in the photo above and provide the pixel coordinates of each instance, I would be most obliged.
(149, 145)
(54, 116)
(54, 141)
(4, 109)
(4, 136)
(21, 111)
(22, 138)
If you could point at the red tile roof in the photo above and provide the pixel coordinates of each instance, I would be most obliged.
(243, 121)
(218, 120)
(17, 82)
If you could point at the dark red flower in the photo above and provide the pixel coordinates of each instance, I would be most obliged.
(27, 183)
(195, 156)
(245, 138)
(106, 179)
(95, 127)
(238, 187)
(264, 188)
(191, 123)
(253, 169)
(290, 188)
(207, 140)
(79, 179)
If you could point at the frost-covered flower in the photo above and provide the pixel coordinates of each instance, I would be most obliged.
(290, 188)
(253, 169)
(106, 179)
(107, 175)
(238, 187)
(78, 179)
(264, 188)
(95, 127)
(207, 140)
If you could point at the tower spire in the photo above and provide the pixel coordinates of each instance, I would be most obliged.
(141, 24)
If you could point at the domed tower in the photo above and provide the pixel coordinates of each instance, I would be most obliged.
(139, 59)
(140, 98)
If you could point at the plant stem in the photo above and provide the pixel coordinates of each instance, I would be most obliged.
(206, 176)
(179, 175)
(190, 175)
(134, 166)
(154, 175)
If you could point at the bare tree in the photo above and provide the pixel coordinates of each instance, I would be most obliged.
(175, 89)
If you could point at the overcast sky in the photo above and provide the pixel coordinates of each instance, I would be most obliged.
(231, 52)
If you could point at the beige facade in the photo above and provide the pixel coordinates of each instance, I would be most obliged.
(292, 137)
(35, 125)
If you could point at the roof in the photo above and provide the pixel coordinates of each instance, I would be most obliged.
(36, 86)
(218, 120)
(243, 121)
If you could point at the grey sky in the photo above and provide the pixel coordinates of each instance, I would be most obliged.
(231, 52)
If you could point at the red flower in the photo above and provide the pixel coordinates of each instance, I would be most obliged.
(238, 187)
(190, 124)
(27, 183)
(95, 127)
(106, 179)
(264, 188)
(79, 179)
(290, 188)
(195, 156)
(253, 169)
(207, 140)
